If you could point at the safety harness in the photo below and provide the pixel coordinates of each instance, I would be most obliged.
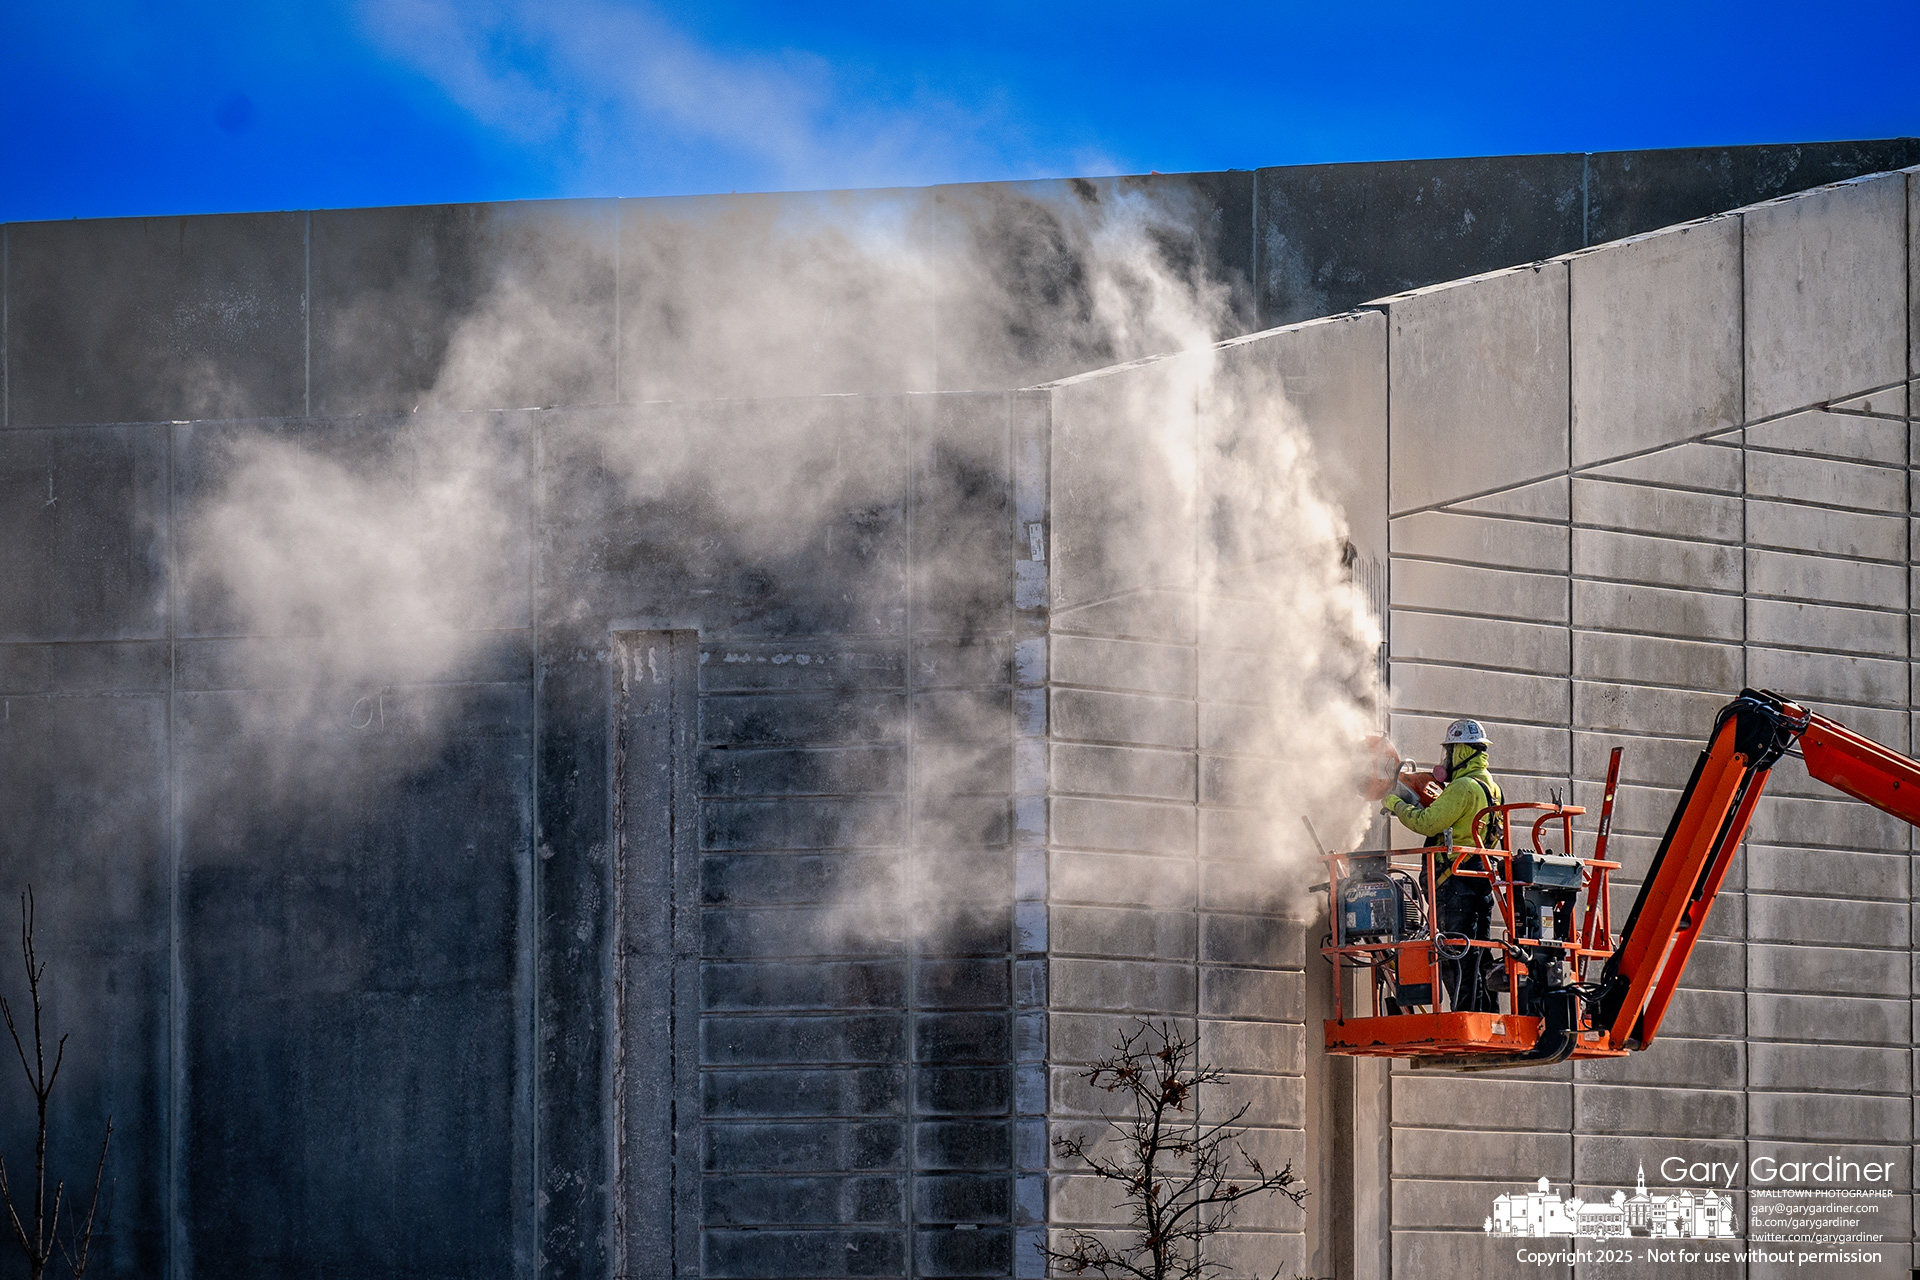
(1495, 834)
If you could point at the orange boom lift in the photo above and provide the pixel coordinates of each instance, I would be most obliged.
(1567, 989)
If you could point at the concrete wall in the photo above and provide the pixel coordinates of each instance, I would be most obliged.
(1626, 482)
(1167, 666)
(539, 962)
(667, 932)
(353, 310)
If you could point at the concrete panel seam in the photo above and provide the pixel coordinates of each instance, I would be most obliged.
(1705, 436)
(175, 1227)
(306, 314)
(1551, 522)
(1774, 451)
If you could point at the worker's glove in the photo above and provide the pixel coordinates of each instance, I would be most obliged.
(1390, 804)
(1404, 792)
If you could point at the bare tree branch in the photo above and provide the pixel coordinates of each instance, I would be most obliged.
(1176, 1172)
(40, 1243)
(83, 1238)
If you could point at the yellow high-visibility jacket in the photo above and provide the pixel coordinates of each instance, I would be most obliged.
(1453, 807)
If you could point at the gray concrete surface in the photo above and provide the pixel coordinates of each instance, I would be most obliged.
(539, 962)
(1718, 537)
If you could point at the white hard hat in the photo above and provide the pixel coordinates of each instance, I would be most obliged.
(1468, 732)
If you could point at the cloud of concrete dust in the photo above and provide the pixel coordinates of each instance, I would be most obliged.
(1195, 480)
(381, 553)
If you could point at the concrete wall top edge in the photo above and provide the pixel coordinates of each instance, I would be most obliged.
(1426, 291)
(1016, 184)
(1677, 228)
(1587, 250)
(362, 311)
(1225, 344)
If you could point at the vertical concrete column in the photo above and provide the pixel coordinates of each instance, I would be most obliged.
(1121, 737)
(961, 865)
(655, 1074)
(1031, 782)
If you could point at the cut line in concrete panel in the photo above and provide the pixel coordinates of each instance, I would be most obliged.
(1868, 430)
(1496, 695)
(1687, 664)
(1670, 562)
(1823, 294)
(1853, 535)
(1655, 339)
(1828, 482)
(1454, 588)
(1646, 508)
(1496, 642)
(1834, 628)
(1885, 402)
(1542, 500)
(1713, 464)
(1824, 579)
(1478, 385)
(1685, 614)
(1481, 540)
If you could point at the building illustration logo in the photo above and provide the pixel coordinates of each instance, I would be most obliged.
(1688, 1214)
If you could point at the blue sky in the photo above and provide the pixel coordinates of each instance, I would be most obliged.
(117, 107)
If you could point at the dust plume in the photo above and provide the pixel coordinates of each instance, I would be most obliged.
(771, 469)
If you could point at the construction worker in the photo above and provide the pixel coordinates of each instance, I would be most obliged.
(1456, 818)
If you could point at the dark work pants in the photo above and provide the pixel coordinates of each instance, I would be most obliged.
(1466, 907)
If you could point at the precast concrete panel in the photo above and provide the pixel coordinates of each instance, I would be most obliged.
(1478, 385)
(1823, 295)
(1331, 373)
(1656, 339)
(733, 296)
(83, 534)
(156, 319)
(1547, 499)
(1323, 231)
(1630, 192)
(92, 718)
(413, 307)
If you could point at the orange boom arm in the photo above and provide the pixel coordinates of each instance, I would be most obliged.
(1543, 984)
(1712, 817)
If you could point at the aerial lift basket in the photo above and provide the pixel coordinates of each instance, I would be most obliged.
(1562, 985)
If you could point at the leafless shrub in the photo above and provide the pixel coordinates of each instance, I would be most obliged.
(42, 1240)
(1181, 1178)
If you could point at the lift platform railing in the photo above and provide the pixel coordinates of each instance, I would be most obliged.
(1558, 934)
(1574, 992)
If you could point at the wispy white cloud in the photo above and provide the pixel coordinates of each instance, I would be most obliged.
(623, 101)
